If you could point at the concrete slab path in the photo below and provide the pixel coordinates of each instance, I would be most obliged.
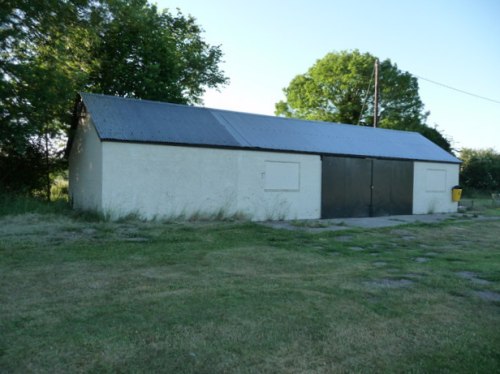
(337, 224)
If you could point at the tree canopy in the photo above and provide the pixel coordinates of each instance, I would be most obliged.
(51, 49)
(339, 88)
(150, 55)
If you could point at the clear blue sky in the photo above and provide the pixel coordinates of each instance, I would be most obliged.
(268, 42)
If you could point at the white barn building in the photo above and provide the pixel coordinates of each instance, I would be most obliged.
(160, 160)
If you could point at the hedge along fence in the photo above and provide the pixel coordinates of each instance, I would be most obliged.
(480, 170)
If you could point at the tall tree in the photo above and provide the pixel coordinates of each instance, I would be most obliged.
(150, 55)
(40, 46)
(339, 88)
(50, 49)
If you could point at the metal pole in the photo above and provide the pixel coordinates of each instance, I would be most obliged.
(375, 101)
(370, 208)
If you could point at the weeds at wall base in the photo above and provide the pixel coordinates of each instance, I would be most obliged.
(11, 204)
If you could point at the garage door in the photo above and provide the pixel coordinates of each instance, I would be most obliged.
(357, 187)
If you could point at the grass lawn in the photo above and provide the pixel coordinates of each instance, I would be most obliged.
(80, 296)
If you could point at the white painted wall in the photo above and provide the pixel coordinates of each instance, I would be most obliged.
(85, 167)
(432, 183)
(171, 181)
(275, 185)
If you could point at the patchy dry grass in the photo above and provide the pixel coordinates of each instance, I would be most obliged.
(483, 205)
(210, 297)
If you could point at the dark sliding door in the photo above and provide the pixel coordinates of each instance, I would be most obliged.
(360, 187)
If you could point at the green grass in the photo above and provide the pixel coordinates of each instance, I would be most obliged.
(19, 204)
(484, 206)
(208, 297)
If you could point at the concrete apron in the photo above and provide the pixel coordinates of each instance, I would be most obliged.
(338, 224)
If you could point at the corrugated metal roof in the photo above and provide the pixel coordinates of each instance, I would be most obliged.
(134, 120)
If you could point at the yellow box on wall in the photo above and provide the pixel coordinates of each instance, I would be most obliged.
(456, 193)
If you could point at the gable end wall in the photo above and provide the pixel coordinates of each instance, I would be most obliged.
(432, 184)
(85, 167)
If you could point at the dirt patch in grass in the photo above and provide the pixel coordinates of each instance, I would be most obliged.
(47, 229)
(356, 249)
(431, 254)
(415, 275)
(473, 277)
(401, 233)
(389, 283)
(408, 237)
(488, 295)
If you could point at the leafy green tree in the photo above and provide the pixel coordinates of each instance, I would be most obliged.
(480, 169)
(339, 88)
(39, 67)
(150, 55)
(50, 49)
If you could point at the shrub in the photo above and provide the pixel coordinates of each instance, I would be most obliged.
(480, 169)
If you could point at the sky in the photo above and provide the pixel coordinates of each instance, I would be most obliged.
(266, 43)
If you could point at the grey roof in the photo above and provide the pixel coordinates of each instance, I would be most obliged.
(132, 120)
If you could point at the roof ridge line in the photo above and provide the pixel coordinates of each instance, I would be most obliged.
(140, 100)
(248, 113)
